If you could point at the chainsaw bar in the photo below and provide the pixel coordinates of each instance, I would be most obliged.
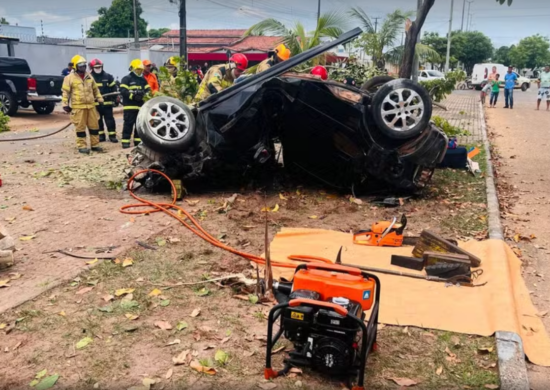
(412, 240)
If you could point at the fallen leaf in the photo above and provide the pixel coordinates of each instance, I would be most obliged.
(62, 313)
(173, 240)
(34, 382)
(225, 340)
(128, 305)
(183, 358)
(106, 309)
(124, 291)
(84, 290)
(493, 387)
(455, 340)
(249, 354)
(221, 357)
(203, 292)
(131, 317)
(4, 283)
(17, 346)
(92, 261)
(161, 241)
(196, 312)
(155, 292)
(484, 350)
(275, 209)
(200, 368)
(3, 325)
(163, 325)
(28, 208)
(84, 342)
(356, 200)
(26, 238)
(127, 262)
(267, 386)
(169, 374)
(181, 325)
(174, 342)
(405, 382)
(516, 237)
(47, 383)
(282, 197)
(108, 297)
(252, 298)
(312, 217)
(165, 302)
(148, 382)
(439, 370)
(207, 347)
(192, 202)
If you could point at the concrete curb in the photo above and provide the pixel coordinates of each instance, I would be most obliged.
(511, 359)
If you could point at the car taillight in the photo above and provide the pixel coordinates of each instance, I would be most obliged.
(31, 84)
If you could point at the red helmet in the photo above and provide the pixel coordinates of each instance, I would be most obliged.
(240, 61)
(95, 62)
(320, 71)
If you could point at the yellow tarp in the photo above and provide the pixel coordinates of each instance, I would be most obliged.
(503, 304)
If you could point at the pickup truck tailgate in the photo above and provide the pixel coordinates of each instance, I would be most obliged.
(48, 85)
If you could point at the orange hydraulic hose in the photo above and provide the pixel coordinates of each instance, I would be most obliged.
(181, 215)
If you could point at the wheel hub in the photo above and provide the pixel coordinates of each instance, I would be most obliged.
(402, 109)
(167, 121)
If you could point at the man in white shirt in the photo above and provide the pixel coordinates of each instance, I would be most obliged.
(544, 88)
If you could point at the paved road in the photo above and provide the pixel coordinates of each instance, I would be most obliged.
(522, 138)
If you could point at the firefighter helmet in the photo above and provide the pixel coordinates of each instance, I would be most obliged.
(78, 60)
(282, 52)
(95, 62)
(320, 71)
(240, 61)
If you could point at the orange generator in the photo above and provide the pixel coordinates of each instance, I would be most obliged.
(323, 312)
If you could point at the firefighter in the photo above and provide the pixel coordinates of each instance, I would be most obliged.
(172, 66)
(151, 78)
(133, 88)
(320, 71)
(80, 92)
(218, 75)
(106, 84)
(279, 54)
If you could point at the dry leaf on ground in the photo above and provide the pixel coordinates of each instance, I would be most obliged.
(200, 368)
(174, 342)
(493, 387)
(108, 297)
(4, 283)
(439, 370)
(267, 386)
(92, 261)
(84, 290)
(405, 382)
(169, 373)
(183, 358)
(164, 325)
(124, 291)
(131, 317)
(28, 208)
(484, 350)
(84, 342)
(155, 292)
(127, 262)
(196, 312)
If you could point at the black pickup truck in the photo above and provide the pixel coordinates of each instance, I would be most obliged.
(19, 87)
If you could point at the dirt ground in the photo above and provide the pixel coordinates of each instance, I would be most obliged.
(521, 139)
(76, 200)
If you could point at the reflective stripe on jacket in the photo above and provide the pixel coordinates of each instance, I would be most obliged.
(128, 87)
(81, 93)
(213, 81)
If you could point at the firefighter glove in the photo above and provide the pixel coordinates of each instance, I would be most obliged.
(67, 109)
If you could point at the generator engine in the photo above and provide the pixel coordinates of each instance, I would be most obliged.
(323, 315)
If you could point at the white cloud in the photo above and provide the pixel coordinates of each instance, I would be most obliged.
(88, 20)
(46, 17)
(174, 26)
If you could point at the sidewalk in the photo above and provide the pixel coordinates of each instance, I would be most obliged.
(463, 111)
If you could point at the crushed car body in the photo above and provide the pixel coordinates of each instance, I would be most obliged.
(339, 134)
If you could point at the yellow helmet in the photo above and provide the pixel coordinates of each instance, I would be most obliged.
(78, 59)
(136, 64)
(282, 52)
(171, 61)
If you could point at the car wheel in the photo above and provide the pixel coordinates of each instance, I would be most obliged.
(401, 109)
(166, 124)
(43, 108)
(524, 87)
(375, 83)
(8, 104)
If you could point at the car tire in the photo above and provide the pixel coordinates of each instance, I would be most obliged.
(8, 103)
(401, 109)
(43, 108)
(524, 87)
(166, 124)
(375, 83)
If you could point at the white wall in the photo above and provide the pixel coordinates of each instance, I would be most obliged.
(46, 59)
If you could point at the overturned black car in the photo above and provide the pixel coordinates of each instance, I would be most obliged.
(339, 134)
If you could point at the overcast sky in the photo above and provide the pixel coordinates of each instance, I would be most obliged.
(504, 25)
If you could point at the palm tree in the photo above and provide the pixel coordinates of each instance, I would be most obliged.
(379, 43)
(297, 39)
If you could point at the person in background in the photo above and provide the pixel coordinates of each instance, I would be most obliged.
(494, 91)
(80, 93)
(510, 80)
(544, 87)
(222, 76)
(151, 78)
(485, 91)
(321, 72)
(493, 75)
(171, 66)
(67, 71)
(279, 54)
(106, 84)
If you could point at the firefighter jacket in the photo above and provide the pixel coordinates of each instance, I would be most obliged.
(133, 88)
(153, 82)
(106, 84)
(265, 65)
(217, 78)
(81, 92)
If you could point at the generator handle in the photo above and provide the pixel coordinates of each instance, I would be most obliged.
(330, 267)
(276, 311)
(311, 302)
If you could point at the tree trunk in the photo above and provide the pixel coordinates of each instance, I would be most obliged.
(406, 69)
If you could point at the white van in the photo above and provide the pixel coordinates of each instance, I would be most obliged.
(481, 73)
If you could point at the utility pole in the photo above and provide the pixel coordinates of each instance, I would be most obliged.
(468, 23)
(448, 57)
(463, 12)
(136, 33)
(318, 10)
(376, 25)
(416, 63)
(183, 31)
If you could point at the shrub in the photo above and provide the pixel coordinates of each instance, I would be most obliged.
(183, 87)
(360, 72)
(448, 129)
(4, 120)
(439, 89)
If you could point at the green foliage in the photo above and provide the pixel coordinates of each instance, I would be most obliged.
(505, 1)
(531, 52)
(439, 89)
(448, 129)
(377, 39)
(157, 32)
(439, 45)
(183, 87)
(4, 120)
(470, 48)
(360, 72)
(502, 55)
(3, 20)
(117, 20)
(423, 52)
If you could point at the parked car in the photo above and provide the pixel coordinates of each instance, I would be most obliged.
(428, 75)
(481, 73)
(337, 133)
(19, 87)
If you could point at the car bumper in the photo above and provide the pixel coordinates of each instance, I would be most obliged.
(34, 97)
